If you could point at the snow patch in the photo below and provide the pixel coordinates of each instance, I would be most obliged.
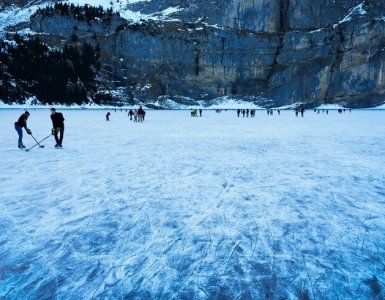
(232, 103)
(317, 30)
(114, 4)
(330, 106)
(382, 106)
(170, 104)
(290, 106)
(358, 10)
(14, 15)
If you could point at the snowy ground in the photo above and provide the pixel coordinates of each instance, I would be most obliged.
(194, 208)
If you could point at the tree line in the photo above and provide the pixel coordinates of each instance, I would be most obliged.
(82, 13)
(28, 67)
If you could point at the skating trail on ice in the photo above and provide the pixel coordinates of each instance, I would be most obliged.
(197, 208)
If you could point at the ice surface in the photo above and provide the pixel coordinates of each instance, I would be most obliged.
(216, 207)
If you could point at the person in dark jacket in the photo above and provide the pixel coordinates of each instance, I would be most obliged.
(141, 114)
(57, 126)
(130, 113)
(19, 125)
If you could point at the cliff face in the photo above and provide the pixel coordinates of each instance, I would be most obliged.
(257, 15)
(288, 50)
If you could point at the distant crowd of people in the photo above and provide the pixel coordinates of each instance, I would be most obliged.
(300, 110)
(194, 112)
(246, 112)
(339, 110)
(136, 115)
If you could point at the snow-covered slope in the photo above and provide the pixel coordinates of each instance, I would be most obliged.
(121, 7)
(13, 15)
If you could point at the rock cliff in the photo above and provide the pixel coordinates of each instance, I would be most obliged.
(287, 51)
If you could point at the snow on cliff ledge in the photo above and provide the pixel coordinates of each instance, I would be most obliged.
(14, 15)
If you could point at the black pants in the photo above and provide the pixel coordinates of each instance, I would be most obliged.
(59, 140)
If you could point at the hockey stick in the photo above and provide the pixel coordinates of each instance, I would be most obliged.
(41, 146)
(38, 143)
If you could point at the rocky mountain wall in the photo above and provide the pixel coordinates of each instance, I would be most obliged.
(257, 15)
(288, 51)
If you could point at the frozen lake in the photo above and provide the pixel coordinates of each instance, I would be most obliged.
(217, 207)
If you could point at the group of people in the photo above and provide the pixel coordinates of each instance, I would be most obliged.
(340, 110)
(137, 115)
(194, 112)
(270, 112)
(246, 112)
(57, 127)
(300, 110)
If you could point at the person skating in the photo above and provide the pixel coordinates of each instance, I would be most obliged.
(141, 114)
(108, 116)
(19, 125)
(57, 127)
(130, 113)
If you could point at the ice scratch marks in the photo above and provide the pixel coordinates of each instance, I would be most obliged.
(10, 270)
(374, 285)
(205, 213)
(235, 248)
(381, 191)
